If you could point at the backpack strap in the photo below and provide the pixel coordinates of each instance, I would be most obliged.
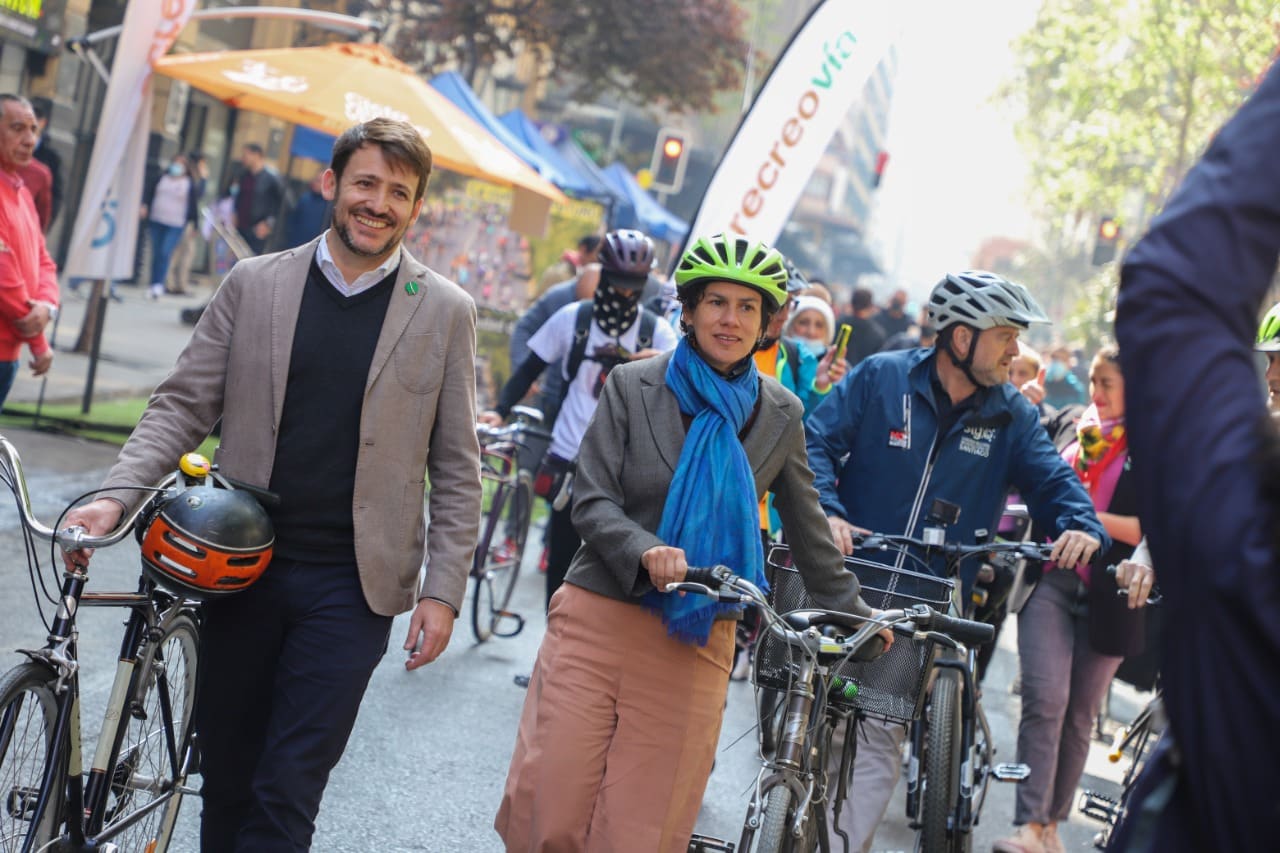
(581, 331)
(793, 361)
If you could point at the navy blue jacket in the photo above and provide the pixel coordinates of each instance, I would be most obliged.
(883, 416)
(1189, 298)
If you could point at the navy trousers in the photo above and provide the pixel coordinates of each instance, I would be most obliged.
(283, 667)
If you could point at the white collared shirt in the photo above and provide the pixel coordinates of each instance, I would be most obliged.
(364, 281)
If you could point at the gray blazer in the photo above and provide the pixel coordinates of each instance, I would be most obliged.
(417, 419)
(625, 465)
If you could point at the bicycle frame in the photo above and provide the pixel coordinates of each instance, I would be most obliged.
(86, 797)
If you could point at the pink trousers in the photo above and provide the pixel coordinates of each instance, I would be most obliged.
(618, 733)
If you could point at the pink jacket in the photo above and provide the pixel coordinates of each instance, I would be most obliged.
(26, 270)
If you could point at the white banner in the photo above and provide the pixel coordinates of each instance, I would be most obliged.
(106, 229)
(779, 141)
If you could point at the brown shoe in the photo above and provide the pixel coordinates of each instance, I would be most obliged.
(1050, 839)
(1027, 839)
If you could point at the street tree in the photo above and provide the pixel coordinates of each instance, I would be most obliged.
(1117, 101)
(674, 52)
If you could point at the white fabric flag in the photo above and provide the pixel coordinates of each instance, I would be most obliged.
(106, 227)
(779, 141)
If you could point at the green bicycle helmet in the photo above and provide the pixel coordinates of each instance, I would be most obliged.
(734, 259)
(1269, 331)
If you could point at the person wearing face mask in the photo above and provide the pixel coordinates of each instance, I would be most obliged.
(166, 211)
(1061, 387)
(804, 370)
(587, 339)
(812, 325)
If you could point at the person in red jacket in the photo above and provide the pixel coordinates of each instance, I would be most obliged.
(28, 277)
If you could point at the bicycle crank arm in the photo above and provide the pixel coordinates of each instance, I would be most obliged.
(1010, 772)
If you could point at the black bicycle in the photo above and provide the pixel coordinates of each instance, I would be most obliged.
(507, 512)
(819, 649)
(952, 756)
(129, 797)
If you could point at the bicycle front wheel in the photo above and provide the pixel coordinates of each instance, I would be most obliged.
(155, 750)
(942, 763)
(498, 557)
(777, 820)
(28, 713)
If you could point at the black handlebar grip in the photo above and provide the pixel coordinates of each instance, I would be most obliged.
(963, 630)
(711, 576)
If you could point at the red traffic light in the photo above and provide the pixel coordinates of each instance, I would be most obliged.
(669, 158)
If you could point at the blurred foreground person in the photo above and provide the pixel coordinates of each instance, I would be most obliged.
(1209, 490)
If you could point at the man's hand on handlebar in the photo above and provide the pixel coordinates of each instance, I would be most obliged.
(98, 518)
(845, 534)
(490, 418)
(1074, 548)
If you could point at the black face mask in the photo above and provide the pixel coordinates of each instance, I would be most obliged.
(615, 309)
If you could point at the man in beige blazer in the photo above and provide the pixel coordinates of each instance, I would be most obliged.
(343, 372)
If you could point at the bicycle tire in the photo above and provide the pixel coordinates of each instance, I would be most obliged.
(496, 569)
(28, 713)
(942, 764)
(144, 770)
(777, 820)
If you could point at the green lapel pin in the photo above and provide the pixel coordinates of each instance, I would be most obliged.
(411, 288)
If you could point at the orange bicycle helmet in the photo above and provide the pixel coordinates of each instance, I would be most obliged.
(204, 542)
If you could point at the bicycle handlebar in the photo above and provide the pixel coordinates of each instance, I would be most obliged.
(885, 541)
(720, 583)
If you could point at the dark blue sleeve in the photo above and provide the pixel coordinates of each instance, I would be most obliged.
(1052, 491)
(830, 432)
(1189, 298)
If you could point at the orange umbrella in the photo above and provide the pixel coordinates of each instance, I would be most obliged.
(331, 88)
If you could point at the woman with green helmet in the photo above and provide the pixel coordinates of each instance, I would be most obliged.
(620, 725)
(1269, 342)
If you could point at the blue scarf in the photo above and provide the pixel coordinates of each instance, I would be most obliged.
(711, 510)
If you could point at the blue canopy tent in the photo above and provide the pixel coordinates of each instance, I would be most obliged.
(452, 86)
(582, 184)
(621, 210)
(650, 217)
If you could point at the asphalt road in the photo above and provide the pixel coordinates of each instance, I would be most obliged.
(426, 762)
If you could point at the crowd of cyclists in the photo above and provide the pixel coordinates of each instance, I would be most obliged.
(695, 422)
(671, 449)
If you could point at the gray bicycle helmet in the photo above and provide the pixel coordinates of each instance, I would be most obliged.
(796, 281)
(982, 300)
(626, 252)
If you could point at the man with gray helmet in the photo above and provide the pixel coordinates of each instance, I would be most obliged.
(940, 424)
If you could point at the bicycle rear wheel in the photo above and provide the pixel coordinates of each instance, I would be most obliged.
(149, 766)
(498, 557)
(28, 712)
(942, 763)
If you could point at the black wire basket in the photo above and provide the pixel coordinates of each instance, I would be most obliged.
(890, 687)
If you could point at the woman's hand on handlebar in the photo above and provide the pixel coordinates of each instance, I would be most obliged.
(1073, 548)
(98, 518)
(665, 565)
(845, 534)
(490, 418)
(885, 634)
(1137, 579)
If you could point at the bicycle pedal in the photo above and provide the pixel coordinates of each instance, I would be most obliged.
(1010, 772)
(706, 844)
